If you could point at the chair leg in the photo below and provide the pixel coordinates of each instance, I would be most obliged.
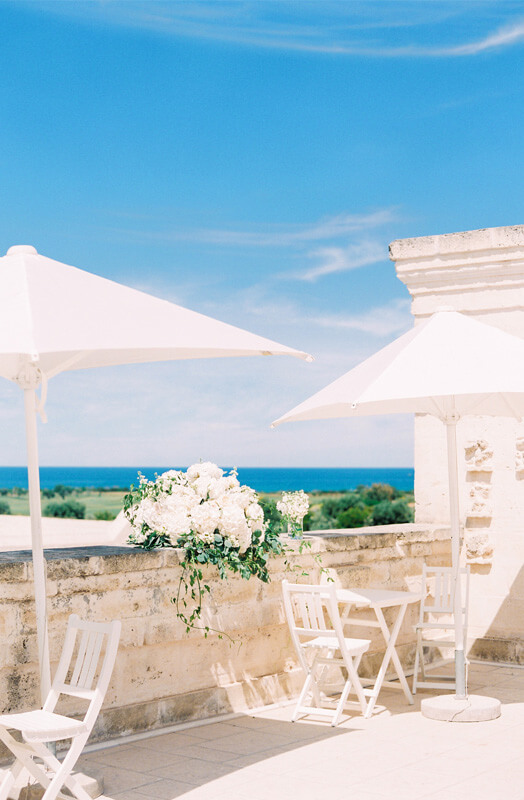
(9, 779)
(24, 754)
(62, 771)
(302, 697)
(422, 665)
(341, 703)
(416, 665)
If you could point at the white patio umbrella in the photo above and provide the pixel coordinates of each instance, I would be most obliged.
(448, 366)
(54, 317)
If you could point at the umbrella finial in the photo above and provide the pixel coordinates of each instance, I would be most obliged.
(22, 250)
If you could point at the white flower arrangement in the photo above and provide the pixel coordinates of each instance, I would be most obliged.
(201, 502)
(294, 506)
(212, 517)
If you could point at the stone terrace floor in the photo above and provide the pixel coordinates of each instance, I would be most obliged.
(398, 754)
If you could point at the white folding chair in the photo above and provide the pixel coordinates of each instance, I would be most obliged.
(97, 640)
(435, 625)
(316, 630)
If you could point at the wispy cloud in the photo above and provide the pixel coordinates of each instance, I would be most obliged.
(282, 235)
(343, 29)
(343, 259)
(393, 318)
(381, 321)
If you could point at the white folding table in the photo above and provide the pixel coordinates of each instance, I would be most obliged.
(378, 600)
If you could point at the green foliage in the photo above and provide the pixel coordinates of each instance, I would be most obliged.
(191, 589)
(271, 514)
(48, 494)
(355, 517)
(387, 513)
(5, 508)
(71, 509)
(377, 493)
(63, 491)
(355, 509)
(105, 515)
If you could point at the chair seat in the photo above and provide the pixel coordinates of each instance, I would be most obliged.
(43, 726)
(355, 647)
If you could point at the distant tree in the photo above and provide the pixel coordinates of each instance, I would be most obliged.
(48, 494)
(71, 509)
(377, 493)
(108, 515)
(355, 517)
(63, 491)
(387, 513)
(4, 507)
(334, 506)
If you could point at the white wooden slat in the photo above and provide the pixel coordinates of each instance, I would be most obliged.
(84, 639)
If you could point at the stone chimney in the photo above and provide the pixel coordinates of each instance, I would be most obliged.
(479, 273)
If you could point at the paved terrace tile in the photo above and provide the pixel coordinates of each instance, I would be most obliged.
(397, 754)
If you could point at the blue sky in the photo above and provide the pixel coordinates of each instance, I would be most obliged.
(252, 161)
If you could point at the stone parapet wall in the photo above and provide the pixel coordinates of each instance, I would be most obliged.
(164, 676)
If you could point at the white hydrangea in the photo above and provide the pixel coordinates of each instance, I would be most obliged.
(233, 526)
(255, 517)
(204, 469)
(294, 505)
(205, 517)
(221, 486)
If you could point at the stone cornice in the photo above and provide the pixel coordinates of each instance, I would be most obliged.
(467, 266)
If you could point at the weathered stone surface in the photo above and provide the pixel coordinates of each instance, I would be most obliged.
(480, 273)
(163, 675)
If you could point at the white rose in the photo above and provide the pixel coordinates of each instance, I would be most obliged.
(201, 486)
(255, 513)
(206, 469)
(181, 497)
(233, 526)
(219, 487)
(205, 517)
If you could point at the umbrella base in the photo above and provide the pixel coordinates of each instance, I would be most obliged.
(474, 708)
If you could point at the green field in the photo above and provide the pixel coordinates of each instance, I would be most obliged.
(94, 500)
(376, 505)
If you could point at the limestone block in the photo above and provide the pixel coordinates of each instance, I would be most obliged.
(479, 504)
(399, 571)
(479, 547)
(135, 561)
(479, 456)
(16, 592)
(64, 568)
(421, 549)
(16, 571)
(519, 457)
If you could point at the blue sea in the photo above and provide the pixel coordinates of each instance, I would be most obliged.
(262, 479)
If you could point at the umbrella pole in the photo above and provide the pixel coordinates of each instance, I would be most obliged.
(39, 565)
(460, 661)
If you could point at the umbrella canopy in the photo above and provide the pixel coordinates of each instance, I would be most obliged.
(64, 318)
(54, 317)
(447, 361)
(448, 366)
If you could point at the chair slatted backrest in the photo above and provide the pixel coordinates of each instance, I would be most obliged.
(438, 588)
(95, 637)
(311, 611)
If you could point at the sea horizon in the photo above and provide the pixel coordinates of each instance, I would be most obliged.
(262, 479)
